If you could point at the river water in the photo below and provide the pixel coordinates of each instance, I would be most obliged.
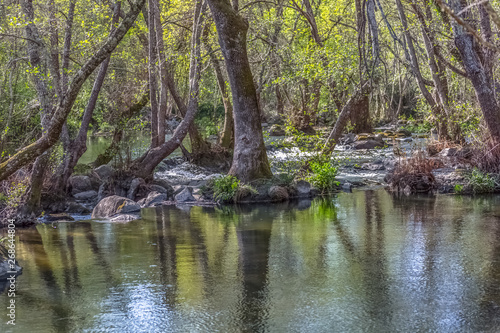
(356, 262)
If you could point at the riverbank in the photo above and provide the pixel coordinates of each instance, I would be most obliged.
(364, 161)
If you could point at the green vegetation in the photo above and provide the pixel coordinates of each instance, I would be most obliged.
(323, 173)
(481, 182)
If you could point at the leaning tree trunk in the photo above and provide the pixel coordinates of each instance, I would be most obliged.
(344, 117)
(250, 158)
(144, 166)
(79, 145)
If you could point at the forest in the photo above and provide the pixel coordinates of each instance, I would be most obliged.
(213, 80)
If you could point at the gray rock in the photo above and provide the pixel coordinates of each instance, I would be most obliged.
(76, 208)
(185, 195)
(124, 218)
(134, 187)
(87, 195)
(278, 193)
(347, 187)
(5, 269)
(58, 217)
(372, 166)
(368, 144)
(276, 130)
(105, 172)
(303, 188)
(154, 198)
(114, 204)
(158, 188)
(448, 152)
(80, 184)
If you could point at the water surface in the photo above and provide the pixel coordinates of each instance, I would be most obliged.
(360, 262)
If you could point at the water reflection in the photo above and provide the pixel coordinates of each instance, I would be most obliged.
(365, 261)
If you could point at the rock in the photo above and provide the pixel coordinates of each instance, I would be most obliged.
(80, 184)
(303, 188)
(87, 195)
(364, 136)
(276, 130)
(372, 166)
(155, 198)
(124, 218)
(403, 132)
(278, 193)
(58, 217)
(368, 144)
(178, 189)
(105, 172)
(448, 152)
(348, 139)
(408, 139)
(134, 187)
(158, 188)
(185, 195)
(347, 187)
(5, 268)
(114, 204)
(76, 208)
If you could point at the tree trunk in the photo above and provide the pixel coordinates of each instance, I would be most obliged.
(152, 69)
(250, 158)
(114, 147)
(144, 166)
(344, 116)
(52, 134)
(79, 145)
(478, 75)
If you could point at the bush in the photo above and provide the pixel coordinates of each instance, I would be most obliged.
(481, 182)
(323, 173)
(225, 188)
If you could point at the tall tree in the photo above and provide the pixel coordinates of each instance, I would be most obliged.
(250, 158)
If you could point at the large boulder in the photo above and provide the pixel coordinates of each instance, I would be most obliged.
(113, 205)
(105, 172)
(80, 184)
(186, 195)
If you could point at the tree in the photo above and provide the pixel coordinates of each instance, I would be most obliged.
(250, 158)
(53, 130)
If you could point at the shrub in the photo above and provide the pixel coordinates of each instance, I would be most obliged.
(459, 188)
(414, 175)
(323, 173)
(225, 188)
(481, 182)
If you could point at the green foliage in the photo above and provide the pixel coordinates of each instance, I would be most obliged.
(225, 188)
(210, 119)
(323, 173)
(481, 182)
(458, 188)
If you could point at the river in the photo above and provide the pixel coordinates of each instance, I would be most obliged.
(356, 262)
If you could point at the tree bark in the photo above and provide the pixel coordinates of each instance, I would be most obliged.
(478, 76)
(144, 166)
(250, 158)
(79, 145)
(51, 135)
(152, 69)
(344, 117)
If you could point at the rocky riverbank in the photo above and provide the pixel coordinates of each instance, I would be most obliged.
(364, 161)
